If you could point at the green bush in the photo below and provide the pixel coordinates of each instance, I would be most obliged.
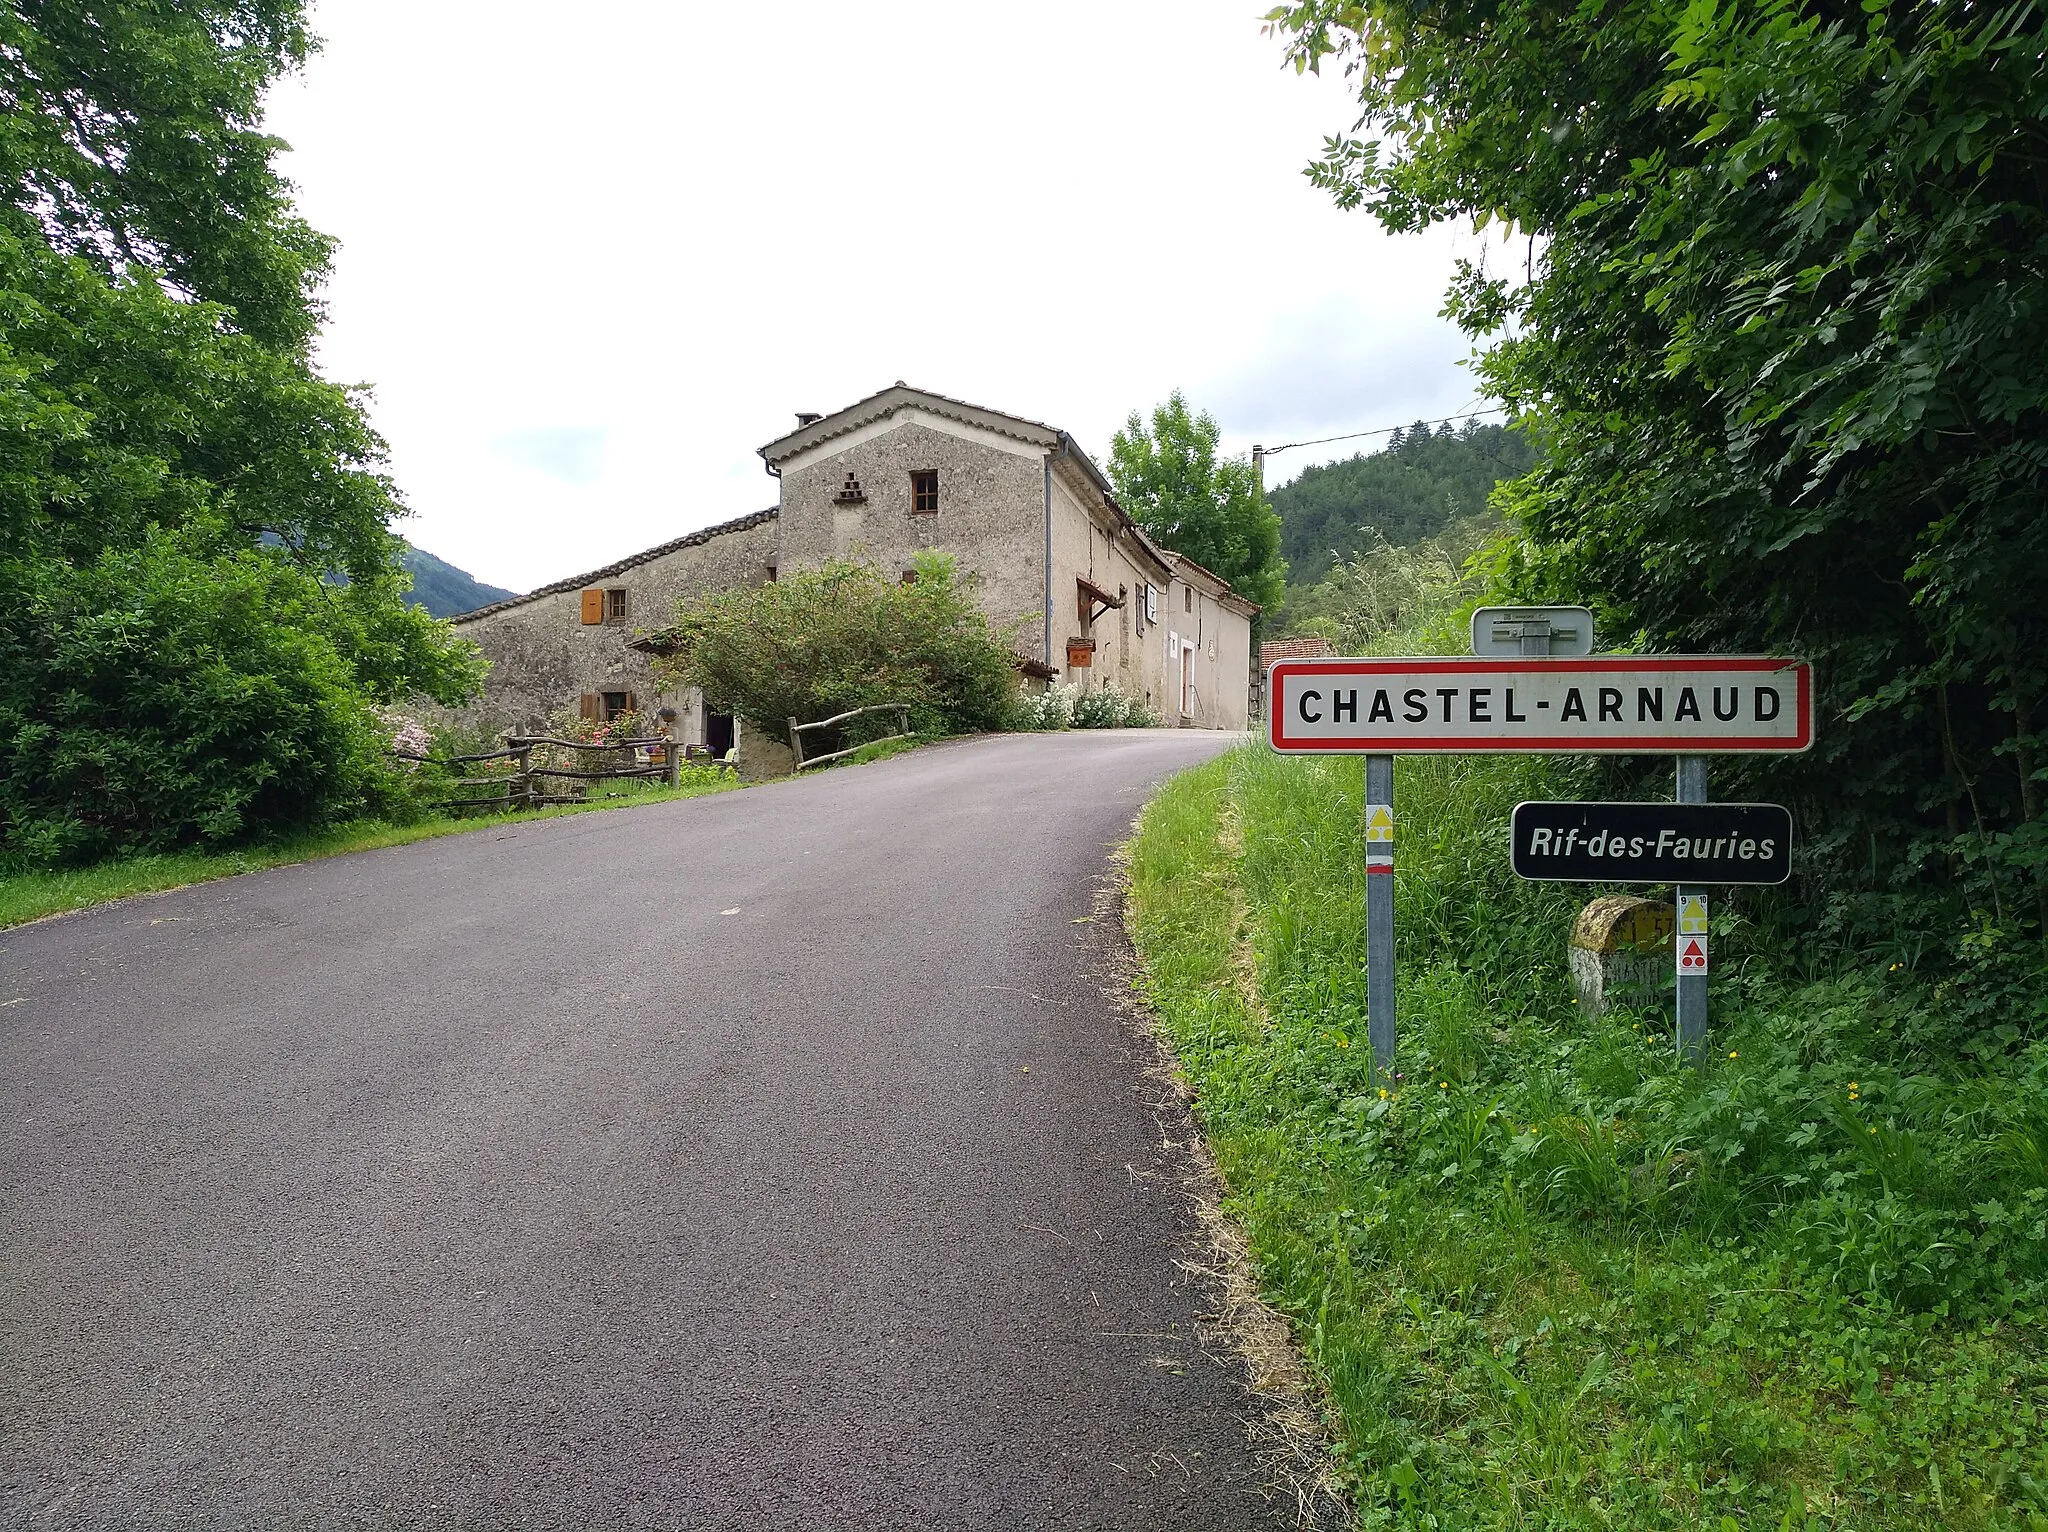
(150, 700)
(825, 641)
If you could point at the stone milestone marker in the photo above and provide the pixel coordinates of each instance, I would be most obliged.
(1621, 952)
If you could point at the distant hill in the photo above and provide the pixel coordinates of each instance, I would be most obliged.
(445, 590)
(1420, 484)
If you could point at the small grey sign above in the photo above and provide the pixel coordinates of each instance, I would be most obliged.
(1564, 630)
(1690, 843)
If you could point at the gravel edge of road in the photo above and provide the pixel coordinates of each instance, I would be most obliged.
(1288, 1435)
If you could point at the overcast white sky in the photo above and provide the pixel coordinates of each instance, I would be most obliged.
(593, 256)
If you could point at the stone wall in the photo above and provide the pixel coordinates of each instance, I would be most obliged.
(991, 514)
(544, 657)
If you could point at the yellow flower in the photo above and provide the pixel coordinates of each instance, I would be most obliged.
(1733, 1054)
(1383, 1093)
(1443, 1085)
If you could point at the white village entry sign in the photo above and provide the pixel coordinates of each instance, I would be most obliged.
(1538, 701)
(1679, 705)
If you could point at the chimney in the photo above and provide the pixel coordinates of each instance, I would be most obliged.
(807, 417)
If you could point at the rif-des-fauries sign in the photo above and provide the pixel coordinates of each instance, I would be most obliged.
(1652, 842)
(1673, 705)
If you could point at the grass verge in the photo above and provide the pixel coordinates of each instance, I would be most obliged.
(1546, 1276)
(28, 893)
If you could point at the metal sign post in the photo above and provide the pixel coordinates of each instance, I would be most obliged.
(1379, 909)
(1692, 932)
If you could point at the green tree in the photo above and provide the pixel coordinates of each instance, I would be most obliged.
(820, 642)
(1169, 478)
(1776, 307)
(200, 595)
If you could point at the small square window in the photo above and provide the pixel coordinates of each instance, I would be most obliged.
(924, 492)
(615, 703)
(615, 605)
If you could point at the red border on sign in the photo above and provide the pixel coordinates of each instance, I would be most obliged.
(1553, 744)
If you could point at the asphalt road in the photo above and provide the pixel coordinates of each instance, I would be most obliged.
(771, 1160)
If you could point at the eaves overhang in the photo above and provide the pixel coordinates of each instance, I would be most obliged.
(901, 396)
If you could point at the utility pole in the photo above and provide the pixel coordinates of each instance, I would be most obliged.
(1259, 468)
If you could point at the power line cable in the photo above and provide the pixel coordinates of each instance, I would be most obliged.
(1382, 430)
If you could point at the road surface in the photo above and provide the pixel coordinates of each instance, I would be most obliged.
(769, 1160)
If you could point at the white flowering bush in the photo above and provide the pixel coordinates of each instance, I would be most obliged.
(1052, 708)
(1069, 707)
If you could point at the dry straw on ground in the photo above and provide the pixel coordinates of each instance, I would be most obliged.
(1250, 1335)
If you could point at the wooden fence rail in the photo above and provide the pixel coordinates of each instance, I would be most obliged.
(522, 785)
(797, 731)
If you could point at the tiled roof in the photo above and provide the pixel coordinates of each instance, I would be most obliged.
(902, 395)
(1294, 649)
(646, 555)
(1218, 586)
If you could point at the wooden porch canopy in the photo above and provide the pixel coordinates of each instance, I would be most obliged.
(1091, 600)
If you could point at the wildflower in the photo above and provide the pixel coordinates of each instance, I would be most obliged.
(1443, 1085)
(1383, 1093)
(1733, 1054)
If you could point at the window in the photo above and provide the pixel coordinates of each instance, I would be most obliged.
(1187, 598)
(616, 703)
(603, 707)
(615, 605)
(924, 492)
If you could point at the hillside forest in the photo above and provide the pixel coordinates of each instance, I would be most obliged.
(1409, 515)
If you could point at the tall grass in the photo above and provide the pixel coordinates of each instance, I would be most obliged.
(1549, 1276)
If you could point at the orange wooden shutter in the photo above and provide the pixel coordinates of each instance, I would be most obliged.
(593, 607)
(632, 703)
(591, 706)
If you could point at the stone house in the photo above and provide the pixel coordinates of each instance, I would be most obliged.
(1084, 595)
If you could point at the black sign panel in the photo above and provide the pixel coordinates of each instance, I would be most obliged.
(1653, 842)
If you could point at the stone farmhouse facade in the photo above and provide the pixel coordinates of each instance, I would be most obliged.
(1089, 599)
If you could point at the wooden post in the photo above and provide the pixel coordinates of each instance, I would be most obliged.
(796, 746)
(525, 789)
